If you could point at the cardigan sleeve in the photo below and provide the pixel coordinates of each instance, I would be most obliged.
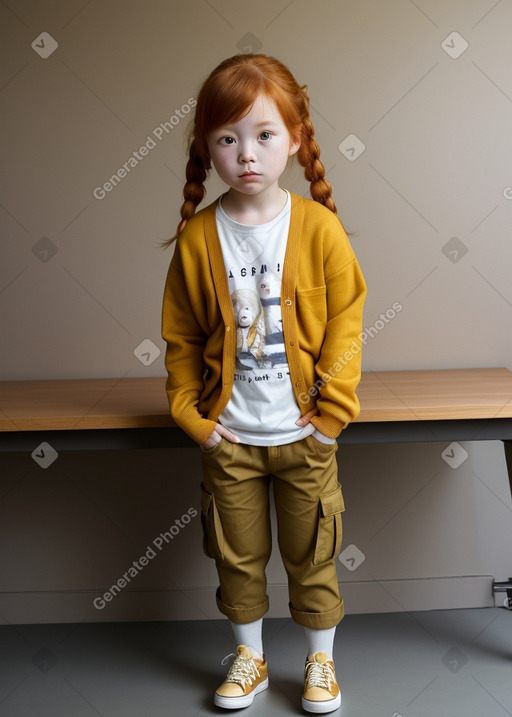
(339, 365)
(185, 341)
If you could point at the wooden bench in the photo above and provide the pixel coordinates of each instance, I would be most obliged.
(127, 413)
(140, 403)
(425, 399)
(119, 413)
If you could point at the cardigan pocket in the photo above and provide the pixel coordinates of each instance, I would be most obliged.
(213, 536)
(330, 529)
(312, 311)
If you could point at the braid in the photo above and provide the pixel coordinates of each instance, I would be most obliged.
(225, 97)
(194, 189)
(309, 157)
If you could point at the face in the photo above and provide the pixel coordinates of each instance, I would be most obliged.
(266, 286)
(245, 317)
(250, 155)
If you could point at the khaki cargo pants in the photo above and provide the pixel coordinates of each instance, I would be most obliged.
(236, 527)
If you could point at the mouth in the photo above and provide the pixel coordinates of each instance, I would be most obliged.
(249, 174)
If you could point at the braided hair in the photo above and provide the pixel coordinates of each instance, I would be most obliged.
(226, 96)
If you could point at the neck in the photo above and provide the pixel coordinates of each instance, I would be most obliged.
(258, 209)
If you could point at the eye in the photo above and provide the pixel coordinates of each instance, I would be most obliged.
(227, 140)
(265, 136)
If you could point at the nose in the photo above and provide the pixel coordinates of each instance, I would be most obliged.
(247, 153)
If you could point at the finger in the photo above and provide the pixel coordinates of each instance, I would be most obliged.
(212, 441)
(306, 418)
(229, 435)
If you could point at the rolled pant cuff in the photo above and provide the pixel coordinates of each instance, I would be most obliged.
(242, 615)
(319, 620)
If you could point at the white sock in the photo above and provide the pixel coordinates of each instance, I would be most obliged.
(250, 634)
(320, 640)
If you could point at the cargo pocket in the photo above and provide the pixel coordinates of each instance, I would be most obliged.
(330, 532)
(213, 540)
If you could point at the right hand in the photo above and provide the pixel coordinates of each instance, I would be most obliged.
(217, 434)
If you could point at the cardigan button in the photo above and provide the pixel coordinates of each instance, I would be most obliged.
(292, 343)
(288, 302)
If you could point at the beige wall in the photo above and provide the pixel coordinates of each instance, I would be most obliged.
(429, 206)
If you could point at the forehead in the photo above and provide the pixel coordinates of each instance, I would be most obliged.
(263, 112)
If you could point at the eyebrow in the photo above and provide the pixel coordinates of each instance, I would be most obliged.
(265, 123)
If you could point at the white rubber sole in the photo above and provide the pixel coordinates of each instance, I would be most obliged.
(236, 703)
(322, 707)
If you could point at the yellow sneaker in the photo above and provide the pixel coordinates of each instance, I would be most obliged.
(247, 677)
(321, 691)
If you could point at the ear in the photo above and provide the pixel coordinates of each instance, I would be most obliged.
(294, 146)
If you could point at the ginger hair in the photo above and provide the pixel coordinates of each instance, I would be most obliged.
(226, 96)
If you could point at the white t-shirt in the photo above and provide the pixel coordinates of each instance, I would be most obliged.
(262, 409)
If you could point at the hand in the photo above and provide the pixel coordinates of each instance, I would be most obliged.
(217, 434)
(306, 418)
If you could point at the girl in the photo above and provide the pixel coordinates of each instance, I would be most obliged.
(265, 399)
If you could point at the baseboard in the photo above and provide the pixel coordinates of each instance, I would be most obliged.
(419, 594)
(134, 606)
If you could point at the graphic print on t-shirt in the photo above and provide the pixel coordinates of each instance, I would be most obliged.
(270, 296)
(259, 326)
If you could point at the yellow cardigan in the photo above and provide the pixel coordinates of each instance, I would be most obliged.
(322, 297)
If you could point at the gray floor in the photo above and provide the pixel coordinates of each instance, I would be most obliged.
(425, 664)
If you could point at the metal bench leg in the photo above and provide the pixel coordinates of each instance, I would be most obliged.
(506, 587)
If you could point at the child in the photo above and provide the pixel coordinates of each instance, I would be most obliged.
(265, 395)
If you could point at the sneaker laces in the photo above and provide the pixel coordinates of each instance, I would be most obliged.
(320, 675)
(241, 671)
